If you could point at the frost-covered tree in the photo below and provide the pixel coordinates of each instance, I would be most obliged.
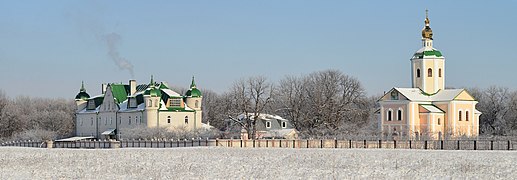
(250, 98)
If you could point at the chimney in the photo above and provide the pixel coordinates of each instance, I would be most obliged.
(132, 86)
(103, 88)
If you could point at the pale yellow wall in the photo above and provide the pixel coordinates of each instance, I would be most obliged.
(178, 119)
(464, 127)
(464, 96)
(434, 83)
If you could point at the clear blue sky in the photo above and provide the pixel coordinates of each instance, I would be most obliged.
(48, 47)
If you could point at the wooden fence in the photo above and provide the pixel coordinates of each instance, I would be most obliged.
(280, 143)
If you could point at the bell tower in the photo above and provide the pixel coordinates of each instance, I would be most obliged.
(428, 64)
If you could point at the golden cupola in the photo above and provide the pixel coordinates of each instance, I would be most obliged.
(427, 33)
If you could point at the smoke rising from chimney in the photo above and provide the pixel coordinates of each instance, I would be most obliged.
(112, 40)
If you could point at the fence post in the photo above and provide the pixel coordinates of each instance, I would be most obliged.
(380, 144)
(335, 142)
(475, 145)
(216, 139)
(365, 144)
(267, 143)
(508, 145)
(394, 144)
(241, 142)
(280, 143)
(184, 142)
(350, 144)
(321, 143)
(409, 144)
(294, 143)
(491, 145)
(425, 144)
(206, 143)
(441, 144)
(307, 143)
(458, 144)
(192, 142)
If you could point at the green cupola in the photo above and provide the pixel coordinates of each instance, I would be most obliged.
(193, 91)
(82, 95)
(152, 90)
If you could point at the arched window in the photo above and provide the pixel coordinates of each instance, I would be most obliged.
(459, 114)
(399, 115)
(440, 72)
(197, 104)
(439, 121)
(150, 103)
(92, 121)
(389, 115)
(429, 72)
(129, 122)
(186, 119)
(466, 115)
(168, 119)
(417, 73)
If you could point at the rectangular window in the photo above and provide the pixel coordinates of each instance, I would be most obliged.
(284, 124)
(175, 102)
(268, 124)
(91, 104)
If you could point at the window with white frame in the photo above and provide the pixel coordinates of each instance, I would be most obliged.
(389, 115)
(399, 114)
(268, 124)
(169, 119)
(284, 124)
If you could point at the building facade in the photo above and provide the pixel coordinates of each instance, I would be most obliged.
(268, 126)
(123, 106)
(428, 109)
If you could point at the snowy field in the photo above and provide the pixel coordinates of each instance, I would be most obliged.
(271, 163)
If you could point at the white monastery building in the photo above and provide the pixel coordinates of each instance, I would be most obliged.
(123, 106)
(427, 108)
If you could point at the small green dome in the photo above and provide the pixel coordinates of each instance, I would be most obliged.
(82, 95)
(194, 92)
(154, 92)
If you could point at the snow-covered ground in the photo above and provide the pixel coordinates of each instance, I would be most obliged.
(271, 163)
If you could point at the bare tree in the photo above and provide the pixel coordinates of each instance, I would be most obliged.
(251, 98)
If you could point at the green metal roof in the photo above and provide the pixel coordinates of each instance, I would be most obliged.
(82, 93)
(119, 92)
(194, 92)
(428, 53)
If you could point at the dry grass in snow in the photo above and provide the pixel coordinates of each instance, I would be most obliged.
(272, 163)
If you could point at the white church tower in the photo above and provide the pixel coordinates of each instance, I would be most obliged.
(428, 64)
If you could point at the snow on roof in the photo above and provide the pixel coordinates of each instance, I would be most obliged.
(123, 107)
(264, 116)
(171, 93)
(74, 139)
(206, 126)
(415, 94)
(163, 106)
(431, 108)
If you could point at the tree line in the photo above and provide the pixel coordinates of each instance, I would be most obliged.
(325, 103)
